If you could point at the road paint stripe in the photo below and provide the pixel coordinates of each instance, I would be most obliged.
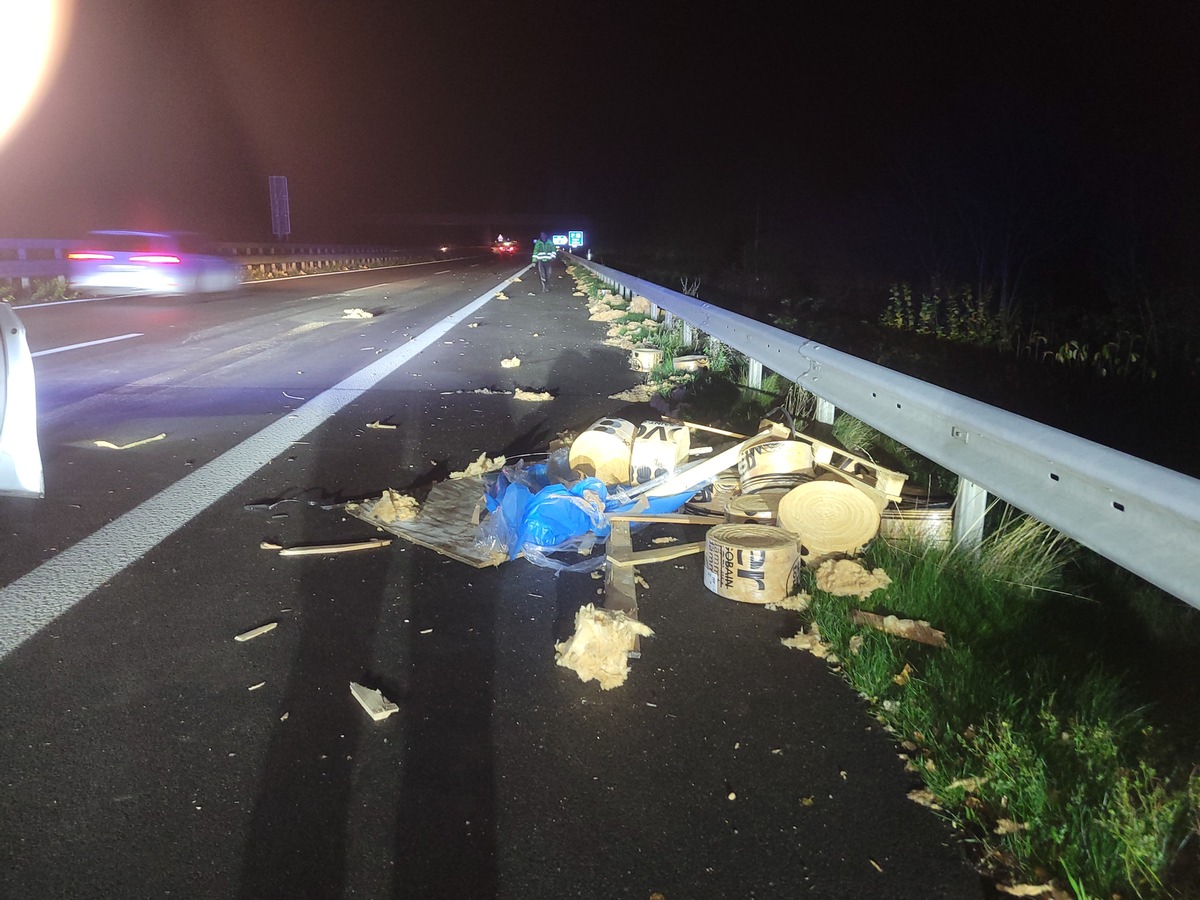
(35, 600)
(119, 337)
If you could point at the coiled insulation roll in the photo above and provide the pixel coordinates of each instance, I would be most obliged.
(750, 563)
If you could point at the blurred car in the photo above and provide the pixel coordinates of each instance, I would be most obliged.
(150, 262)
(505, 248)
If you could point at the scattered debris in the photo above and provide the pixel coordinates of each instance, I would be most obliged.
(472, 324)
(510, 363)
(532, 396)
(356, 312)
(111, 446)
(849, 578)
(378, 424)
(810, 641)
(376, 705)
(924, 797)
(664, 540)
(322, 549)
(599, 648)
(391, 506)
(912, 629)
(797, 602)
(255, 687)
(640, 393)
(480, 466)
(500, 295)
(255, 632)
(1031, 890)
(269, 545)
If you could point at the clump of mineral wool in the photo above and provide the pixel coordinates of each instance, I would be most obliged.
(599, 648)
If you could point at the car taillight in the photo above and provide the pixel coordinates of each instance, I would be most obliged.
(87, 254)
(154, 258)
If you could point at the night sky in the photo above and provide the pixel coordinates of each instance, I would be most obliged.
(853, 132)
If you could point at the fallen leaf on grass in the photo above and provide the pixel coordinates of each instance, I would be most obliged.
(1025, 890)
(1008, 826)
(970, 785)
(924, 797)
(111, 446)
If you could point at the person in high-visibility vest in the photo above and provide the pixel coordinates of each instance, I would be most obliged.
(544, 254)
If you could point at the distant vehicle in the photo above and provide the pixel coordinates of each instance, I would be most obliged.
(149, 262)
(505, 248)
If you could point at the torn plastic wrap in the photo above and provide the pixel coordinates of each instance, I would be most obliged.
(529, 516)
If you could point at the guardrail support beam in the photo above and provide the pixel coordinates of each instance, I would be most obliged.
(970, 506)
(754, 374)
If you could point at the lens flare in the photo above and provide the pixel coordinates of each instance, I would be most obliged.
(34, 32)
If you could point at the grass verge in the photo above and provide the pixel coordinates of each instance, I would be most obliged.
(1032, 740)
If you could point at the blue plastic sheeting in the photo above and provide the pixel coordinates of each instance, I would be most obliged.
(530, 515)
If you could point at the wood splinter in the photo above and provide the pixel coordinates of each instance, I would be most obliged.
(911, 629)
(319, 549)
(377, 706)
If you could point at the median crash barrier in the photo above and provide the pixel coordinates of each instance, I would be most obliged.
(20, 457)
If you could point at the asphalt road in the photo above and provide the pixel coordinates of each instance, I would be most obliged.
(145, 753)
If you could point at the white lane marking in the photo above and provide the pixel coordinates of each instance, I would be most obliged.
(35, 600)
(119, 337)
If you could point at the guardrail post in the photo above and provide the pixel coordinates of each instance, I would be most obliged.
(754, 374)
(688, 334)
(24, 278)
(826, 411)
(654, 311)
(970, 506)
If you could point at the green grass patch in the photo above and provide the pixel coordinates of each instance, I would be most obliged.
(1037, 746)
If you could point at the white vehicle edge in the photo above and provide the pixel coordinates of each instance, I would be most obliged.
(20, 456)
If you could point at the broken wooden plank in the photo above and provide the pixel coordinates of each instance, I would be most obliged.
(319, 549)
(700, 474)
(706, 428)
(667, 518)
(255, 632)
(111, 446)
(657, 554)
(620, 588)
(912, 629)
(377, 706)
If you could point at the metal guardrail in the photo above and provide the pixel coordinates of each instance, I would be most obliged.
(1142, 516)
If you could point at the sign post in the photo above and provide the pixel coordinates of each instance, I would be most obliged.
(281, 217)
